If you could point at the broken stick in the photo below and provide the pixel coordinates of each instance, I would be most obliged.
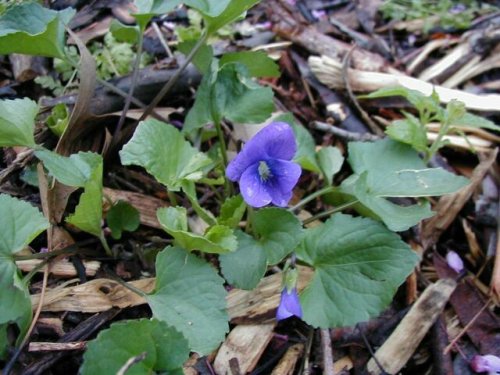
(403, 342)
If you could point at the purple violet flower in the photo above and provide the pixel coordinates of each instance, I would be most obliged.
(264, 168)
(486, 363)
(289, 304)
(454, 261)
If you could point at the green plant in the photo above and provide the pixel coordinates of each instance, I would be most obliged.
(413, 130)
(447, 13)
(188, 303)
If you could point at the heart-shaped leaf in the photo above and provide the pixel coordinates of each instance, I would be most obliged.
(190, 296)
(387, 168)
(245, 267)
(358, 265)
(165, 349)
(162, 150)
(31, 29)
(278, 231)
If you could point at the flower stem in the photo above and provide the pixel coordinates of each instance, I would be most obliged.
(223, 150)
(105, 245)
(172, 198)
(443, 130)
(67, 250)
(248, 226)
(312, 196)
(129, 286)
(329, 212)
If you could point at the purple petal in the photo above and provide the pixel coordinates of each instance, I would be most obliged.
(252, 188)
(485, 363)
(285, 175)
(454, 261)
(289, 305)
(275, 141)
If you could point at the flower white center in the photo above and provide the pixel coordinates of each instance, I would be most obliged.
(264, 171)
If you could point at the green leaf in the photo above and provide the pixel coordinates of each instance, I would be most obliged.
(391, 169)
(190, 296)
(20, 223)
(4, 341)
(232, 211)
(32, 29)
(124, 33)
(88, 212)
(162, 150)
(74, 170)
(245, 267)
(229, 93)
(420, 101)
(80, 170)
(330, 161)
(231, 13)
(17, 122)
(306, 147)
(166, 349)
(15, 302)
(238, 98)
(202, 58)
(472, 121)
(409, 131)
(122, 216)
(358, 266)
(396, 217)
(189, 188)
(58, 120)
(147, 9)
(218, 239)
(210, 8)
(257, 63)
(279, 232)
(417, 183)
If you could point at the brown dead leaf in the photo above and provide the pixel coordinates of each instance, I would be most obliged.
(467, 301)
(81, 111)
(95, 30)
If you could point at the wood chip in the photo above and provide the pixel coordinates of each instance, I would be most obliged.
(102, 294)
(56, 346)
(145, 204)
(286, 365)
(343, 364)
(330, 72)
(450, 205)
(246, 306)
(61, 268)
(94, 296)
(403, 342)
(244, 346)
(476, 254)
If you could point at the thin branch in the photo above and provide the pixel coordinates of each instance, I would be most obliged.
(165, 89)
(344, 134)
(130, 94)
(345, 76)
